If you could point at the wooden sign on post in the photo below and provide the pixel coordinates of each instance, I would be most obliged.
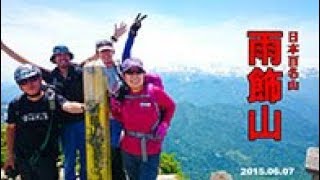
(97, 122)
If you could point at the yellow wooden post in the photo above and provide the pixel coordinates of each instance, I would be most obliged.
(97, 122)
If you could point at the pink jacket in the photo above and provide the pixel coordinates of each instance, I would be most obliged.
(139, 114)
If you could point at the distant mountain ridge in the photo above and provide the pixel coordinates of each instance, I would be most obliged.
(8, 91)
(219, 70)
(183, 72)
(209, 129)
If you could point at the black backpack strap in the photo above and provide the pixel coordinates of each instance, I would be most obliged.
(124, 88)
(52, 107)
(17, 105)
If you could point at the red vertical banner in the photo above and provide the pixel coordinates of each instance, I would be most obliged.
(265, 132)
(266, 46)
(264, 86)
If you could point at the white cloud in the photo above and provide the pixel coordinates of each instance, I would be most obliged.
(163, 42)
(218, 44)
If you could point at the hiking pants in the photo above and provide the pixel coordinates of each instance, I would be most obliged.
(44, 169)
(138, 170)
(117, 164)
(73, 139)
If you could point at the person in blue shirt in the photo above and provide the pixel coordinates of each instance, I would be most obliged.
(105, 52)
(117, 88)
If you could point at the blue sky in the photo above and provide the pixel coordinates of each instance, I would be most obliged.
(210, 35)
(191, 10)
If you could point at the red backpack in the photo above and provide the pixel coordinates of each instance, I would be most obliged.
(154, 79)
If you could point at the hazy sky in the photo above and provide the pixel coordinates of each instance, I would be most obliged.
(210, 35)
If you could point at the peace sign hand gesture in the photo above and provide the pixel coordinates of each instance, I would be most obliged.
(137, 24)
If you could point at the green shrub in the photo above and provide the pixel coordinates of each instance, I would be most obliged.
(170, 165)
(3, 144)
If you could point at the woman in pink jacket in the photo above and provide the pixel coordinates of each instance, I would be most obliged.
(145, 114)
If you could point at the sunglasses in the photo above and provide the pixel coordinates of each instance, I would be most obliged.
(131, 71)
(31, 79)
(106, 50)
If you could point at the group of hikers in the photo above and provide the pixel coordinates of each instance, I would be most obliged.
(51, 111)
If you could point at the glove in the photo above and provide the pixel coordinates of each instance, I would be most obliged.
(162, 130)
(137, 24)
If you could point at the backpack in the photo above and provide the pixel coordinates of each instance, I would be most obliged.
(155, 79)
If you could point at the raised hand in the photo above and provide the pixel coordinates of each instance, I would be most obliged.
(137, 24)
(119, 31)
